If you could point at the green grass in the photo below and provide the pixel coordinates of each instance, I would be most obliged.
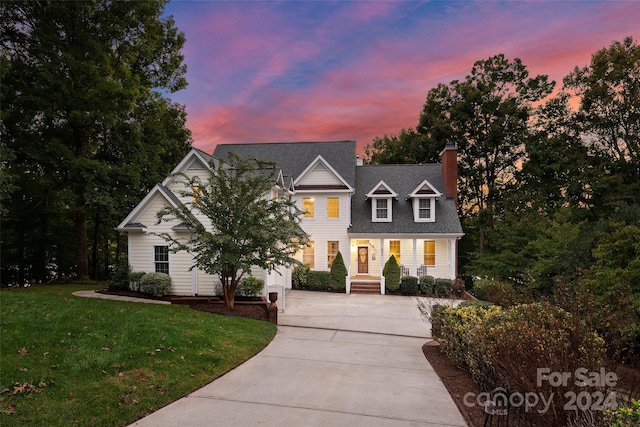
(81, 361)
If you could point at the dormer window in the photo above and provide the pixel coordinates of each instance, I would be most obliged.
(424, 202)
(381, 197)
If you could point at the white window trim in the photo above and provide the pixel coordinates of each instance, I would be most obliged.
(374, 210)
(416, 209)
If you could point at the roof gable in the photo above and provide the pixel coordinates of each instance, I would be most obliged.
(381, 190)
(194, 160)
(320, 175)
(425, 189)
(132, 220)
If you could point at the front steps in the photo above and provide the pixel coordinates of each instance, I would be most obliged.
(365, 287)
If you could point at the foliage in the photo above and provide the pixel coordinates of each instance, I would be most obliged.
(442, 288)
(391, 273)
(135, 278)
(425, 285)
(156, 284)
(338, 274)
(409, 285)
(318, 280)
(126, 359)
(300, 276)
(627, 415)
(120, 279)
(242, 229)
(476, 303)
(81, 85)
(496, 292)
(250, 287)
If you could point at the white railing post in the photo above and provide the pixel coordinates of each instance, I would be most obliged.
(382, 284)
(348, 288)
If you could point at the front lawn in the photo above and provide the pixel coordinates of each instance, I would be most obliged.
(81, 361)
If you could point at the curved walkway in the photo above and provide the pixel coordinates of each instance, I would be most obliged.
(337, 360)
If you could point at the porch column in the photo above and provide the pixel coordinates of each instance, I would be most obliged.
(453, 258)
(415, 257)
(382, 256)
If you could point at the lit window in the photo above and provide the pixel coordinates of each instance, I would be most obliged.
(308, 255)
(308, 207)
(332, 252)
(333, 207)
(394, 249)
(429, 252)
(161, 259)
(195, 191)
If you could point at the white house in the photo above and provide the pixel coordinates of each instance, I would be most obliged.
(366, 212)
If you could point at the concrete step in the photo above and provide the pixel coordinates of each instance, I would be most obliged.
(365, 288)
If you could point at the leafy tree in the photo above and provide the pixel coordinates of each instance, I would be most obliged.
(408, 147)
(234, 224)
(76, 76)
(609, 119)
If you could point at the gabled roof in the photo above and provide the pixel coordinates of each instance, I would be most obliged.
(195, 156)
(403, 179)
(159, 190)
(319, 163)
(295, 157)
(381, 190)
(425, 189)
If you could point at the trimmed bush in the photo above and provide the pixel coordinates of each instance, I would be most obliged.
(425, 285)
(409, 285)
(476, 303)
(250, 287)
(318, 280)
(156, 284)
(300, 276)
(442, 288)
(338, 274)
(391, 273)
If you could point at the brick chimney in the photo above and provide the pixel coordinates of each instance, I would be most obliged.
(449, 158)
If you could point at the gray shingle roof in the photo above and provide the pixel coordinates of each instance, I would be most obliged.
(294, 157)
(403, 179)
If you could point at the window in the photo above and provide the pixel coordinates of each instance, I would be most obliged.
(332, 252)
(308, 207)
(394, 249)
(195, 190)
(381, 210)
(429, 252)
(424, 208)
(333, 207)
(308, 255)
(161, 259)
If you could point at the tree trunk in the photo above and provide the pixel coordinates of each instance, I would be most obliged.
(82, 267)
(94, 250)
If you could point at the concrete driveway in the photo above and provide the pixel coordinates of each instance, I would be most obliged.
(337, 360)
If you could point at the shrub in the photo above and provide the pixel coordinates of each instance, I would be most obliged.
(425, 285)
(120, 279)
(250, 287)
(391, 273)
(496, 292)
(442, 288)
(134, 280)
(338, 274)
(476, 303)
(156, 284)
(318, 280)
(300, 276)
(409, 285)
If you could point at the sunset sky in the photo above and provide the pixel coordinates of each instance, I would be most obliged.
(274, 71)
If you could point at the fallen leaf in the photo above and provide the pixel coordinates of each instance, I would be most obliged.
(23, 351)
(106, 348)
(24, 370)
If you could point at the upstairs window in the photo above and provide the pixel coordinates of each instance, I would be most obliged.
(423, 210)
(308, 207)
(333, 207)
(381, 210)
(161, 259)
